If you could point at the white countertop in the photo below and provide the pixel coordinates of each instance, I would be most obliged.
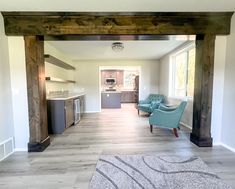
(65, 97)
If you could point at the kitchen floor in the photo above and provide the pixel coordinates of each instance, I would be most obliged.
(70, 160)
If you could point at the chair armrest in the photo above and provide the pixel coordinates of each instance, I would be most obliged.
(162, 112)
(167, 108)
(143, 102)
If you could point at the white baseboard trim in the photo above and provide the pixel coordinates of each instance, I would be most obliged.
(228, 147)
(7, 156)
(217, 144)
(21, 149)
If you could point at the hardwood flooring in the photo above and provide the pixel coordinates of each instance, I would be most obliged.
(70, 160)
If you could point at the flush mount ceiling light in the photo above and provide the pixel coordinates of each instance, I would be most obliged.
(117, 46)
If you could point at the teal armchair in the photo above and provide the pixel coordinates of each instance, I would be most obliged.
(151, 103)
(167, 117)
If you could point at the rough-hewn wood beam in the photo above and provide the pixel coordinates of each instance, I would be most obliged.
(62, 23)
(35, 72)
(203, 88)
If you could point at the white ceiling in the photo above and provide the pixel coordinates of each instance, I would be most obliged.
(101, 50)
(117, 5)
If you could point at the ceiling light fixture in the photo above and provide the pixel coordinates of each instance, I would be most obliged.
(117, 46)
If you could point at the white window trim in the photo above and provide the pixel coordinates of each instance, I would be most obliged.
(172, 73)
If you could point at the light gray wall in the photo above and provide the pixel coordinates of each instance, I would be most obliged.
(6, 115)
(58, 72)
(19, 92)
(218, 86)
(228, 121)
(87, 77)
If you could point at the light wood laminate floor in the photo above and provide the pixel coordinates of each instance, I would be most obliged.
(71, 158)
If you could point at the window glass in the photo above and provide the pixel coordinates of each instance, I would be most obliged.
(180, 74)
(183, 73)
(191, 71)
(129, 79)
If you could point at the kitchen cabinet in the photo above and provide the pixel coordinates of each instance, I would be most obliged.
(82, 104)
(128, 97)
(111, 99)
(69, 112)
(61, 112)
(117, 74)
(120, 77)
(60, 115)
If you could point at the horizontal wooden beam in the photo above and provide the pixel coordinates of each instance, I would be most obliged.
(64, 23)
(111, 37)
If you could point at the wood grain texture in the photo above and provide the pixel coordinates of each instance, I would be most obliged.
(70, 160)
(203, 89)
(35, 72)
(64, 23)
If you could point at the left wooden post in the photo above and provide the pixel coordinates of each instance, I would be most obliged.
(35, 73)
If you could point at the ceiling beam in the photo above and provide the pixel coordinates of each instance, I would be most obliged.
(70, 23)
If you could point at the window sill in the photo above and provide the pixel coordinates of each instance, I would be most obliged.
(181, 98)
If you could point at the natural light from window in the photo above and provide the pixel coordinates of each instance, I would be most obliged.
(182, 72)
(129, 79)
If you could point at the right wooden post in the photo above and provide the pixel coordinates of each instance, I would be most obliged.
(203, 88)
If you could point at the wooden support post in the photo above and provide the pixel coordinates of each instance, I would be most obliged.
(202, 104)
(35, 71)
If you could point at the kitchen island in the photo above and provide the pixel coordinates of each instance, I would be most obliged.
(111, 99)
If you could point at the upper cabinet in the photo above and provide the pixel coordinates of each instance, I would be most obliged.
(57, 62)
(117, 74)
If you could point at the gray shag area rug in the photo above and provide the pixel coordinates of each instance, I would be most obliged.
(151, 172)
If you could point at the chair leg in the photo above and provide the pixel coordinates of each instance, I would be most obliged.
(175, 132)
(138, 112)
(151, 128)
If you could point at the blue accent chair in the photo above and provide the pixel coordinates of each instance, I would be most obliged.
(152, 102)
(167, 117)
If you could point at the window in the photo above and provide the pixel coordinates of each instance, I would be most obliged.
(183, 68)
(129, 79)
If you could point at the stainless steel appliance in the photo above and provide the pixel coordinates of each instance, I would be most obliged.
(110, 81)
(77, 111)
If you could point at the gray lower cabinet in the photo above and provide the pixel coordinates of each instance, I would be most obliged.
(128, 97)
(111, 100)
(82, 104)
(60, 115)
(69, 113)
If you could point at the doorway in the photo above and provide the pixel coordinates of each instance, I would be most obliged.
(119, 85)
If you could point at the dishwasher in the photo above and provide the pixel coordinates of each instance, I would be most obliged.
(77, 111)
